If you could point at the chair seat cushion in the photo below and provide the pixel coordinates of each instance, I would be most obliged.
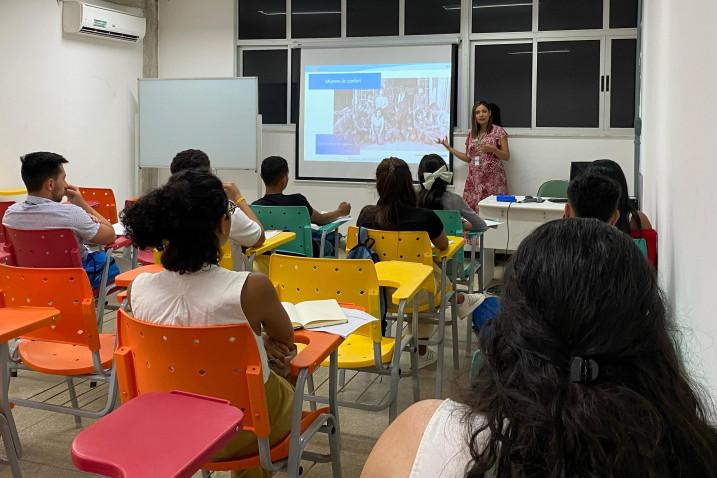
(64, 359)
(278, 452)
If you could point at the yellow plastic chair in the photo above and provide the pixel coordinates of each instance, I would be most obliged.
(415, 246)
(350, 281)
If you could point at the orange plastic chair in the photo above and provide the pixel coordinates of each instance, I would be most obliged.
(223, 362)
(73, 347)
(105, 197)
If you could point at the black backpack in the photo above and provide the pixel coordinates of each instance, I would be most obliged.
(364, 250)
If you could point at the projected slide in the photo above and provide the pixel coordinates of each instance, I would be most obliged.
(357, 113)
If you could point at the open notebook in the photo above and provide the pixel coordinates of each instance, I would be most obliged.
(315, 313)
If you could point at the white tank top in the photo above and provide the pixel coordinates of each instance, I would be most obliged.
(211, 296)
(443, 451)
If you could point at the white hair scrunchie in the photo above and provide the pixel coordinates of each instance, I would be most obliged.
(441, 173)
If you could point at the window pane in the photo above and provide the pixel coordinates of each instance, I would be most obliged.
(491, 16)
(366, 18)
(270, 67)
(622, 83)
(316, 19)
(569, 84)
(430, 17)
(623, 13)
(569, 14)
(295, 74)
(262, 19)
(503, 75)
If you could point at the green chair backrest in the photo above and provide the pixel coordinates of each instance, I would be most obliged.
(642, 244)
(453, 226)
(288, 218)
(555, 188)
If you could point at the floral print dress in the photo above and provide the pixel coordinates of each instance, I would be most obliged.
(486, 175)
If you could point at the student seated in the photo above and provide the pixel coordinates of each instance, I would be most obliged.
(593, 195)
(45, 180)
(560, 393)
(189, 219)
(433, 176)
(630, 220)
(275, 174)
(246, 230)
(396, 211)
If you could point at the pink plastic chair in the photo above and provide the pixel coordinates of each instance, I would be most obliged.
(157, 435)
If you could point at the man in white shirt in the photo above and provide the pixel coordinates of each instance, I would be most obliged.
(45, 179)
(246, 230)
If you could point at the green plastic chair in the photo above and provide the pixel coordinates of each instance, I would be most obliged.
(555, 188)
(642, 245)
(295, 219)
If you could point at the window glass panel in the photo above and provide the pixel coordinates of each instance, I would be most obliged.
(262, 19)
(503, 76)
(366, 18)
(316, 19)
(569, 84)
(491, 16)
(431, 17)
(622, 83)
(270, 67)
(623, 13)
(569, 14)
(295, 75)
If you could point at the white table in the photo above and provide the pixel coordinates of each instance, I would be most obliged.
(517, 223)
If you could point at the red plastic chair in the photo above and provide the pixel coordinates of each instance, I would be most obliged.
(650, 237)
(5, 256)
(55, 248)
(157, 435)
(106, 203)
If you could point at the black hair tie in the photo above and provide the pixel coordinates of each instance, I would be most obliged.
(583, 370)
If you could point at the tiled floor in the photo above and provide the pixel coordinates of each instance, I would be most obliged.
(46, 437)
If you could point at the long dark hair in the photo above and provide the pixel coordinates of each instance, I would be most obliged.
(180, 219)
(580, 288)
(609, 168)
(395, 190)
(431, 198)
(475, 128)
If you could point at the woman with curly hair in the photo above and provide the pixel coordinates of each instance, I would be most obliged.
(581, 377)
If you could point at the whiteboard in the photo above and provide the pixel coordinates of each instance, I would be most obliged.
(218, 116)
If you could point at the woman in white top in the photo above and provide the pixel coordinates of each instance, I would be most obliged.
(189, 220)
(580, 378)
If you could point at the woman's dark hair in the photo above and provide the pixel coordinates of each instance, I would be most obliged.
(580, 288)
(475, 128)
(180, 219)
(609, 168)
(431, 198)
(395, 191)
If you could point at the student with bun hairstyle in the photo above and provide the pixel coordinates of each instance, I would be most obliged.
(189, 219)
(580, 378)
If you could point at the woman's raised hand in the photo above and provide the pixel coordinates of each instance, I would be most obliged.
(443, 142)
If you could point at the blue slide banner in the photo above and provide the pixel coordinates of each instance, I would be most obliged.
(336, 144)
(344, 81)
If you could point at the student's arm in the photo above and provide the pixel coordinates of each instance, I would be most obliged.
(105, 232)
(395, 451)
(74, 197)
(264, 311)
(235, 195)
(644, 222)
(441, 242)
(322, 218)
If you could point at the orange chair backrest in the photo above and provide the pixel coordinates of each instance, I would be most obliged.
(43, 248)
(218, 361)
(407, 246)
(67, 290)
(106, 199)
(351, 281)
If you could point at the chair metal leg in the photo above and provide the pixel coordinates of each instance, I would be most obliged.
(312, 391)
(73, 400)
(454, 319)
(10, 447)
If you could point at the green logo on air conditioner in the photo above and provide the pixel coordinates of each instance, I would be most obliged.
(100, 23)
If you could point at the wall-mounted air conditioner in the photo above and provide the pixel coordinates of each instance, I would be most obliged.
(100, 21)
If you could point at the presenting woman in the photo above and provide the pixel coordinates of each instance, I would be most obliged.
(486, 149)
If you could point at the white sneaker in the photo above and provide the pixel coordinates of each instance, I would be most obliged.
(429, 358)
(469, 304)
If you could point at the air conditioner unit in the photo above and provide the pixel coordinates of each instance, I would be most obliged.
(100, 21)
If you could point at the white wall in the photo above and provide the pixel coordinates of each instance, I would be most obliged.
(198, 41)
(66, 94)
(680, 169)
